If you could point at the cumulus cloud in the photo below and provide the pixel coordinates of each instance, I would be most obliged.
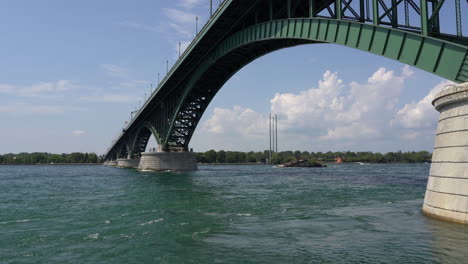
(420, 114)
(336, 113)
(238, 120)
(339, 111)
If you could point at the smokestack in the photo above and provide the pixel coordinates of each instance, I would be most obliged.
(276, 131)
(269, 153)
(273, 131)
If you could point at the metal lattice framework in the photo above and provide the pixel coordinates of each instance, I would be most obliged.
(243, 30)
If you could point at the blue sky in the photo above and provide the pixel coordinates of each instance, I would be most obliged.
(72, 71)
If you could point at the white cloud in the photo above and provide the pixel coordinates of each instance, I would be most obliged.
(78, 132)
(350, 132)
(181, 22)
(31, 109)
(335, 114)
(179, 16)
(420, 114)
(190, 4)
(238, 120)
(38, 89)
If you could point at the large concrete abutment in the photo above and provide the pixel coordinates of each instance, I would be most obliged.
(162, 161)
(447, 188)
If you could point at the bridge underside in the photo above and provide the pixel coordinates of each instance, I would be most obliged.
(242, 31)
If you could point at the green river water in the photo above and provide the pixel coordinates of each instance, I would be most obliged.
(223, 214)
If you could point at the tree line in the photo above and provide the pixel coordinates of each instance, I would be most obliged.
(48, 158)
(222, 156)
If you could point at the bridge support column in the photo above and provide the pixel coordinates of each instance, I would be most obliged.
(174, 161)
(447, 188)
(111, 163)
(128, 163)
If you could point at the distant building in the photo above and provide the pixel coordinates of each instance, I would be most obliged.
(339, 160)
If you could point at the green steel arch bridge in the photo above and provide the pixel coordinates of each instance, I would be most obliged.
(240, 31)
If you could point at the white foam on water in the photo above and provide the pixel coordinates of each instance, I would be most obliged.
(93, 236)
(19, 221)
(132, 235)
(107, 222)
(244, 214)
(153, 222)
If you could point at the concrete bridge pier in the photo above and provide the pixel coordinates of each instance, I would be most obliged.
(111, 163)
(162, 161)
(128, 163)
(447, 188)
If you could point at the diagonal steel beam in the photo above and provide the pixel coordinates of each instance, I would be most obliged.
(414, 6)
(385, 8)
(391, 10)
(348, 6)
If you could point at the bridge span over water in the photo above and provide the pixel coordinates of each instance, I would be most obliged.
(240, 31)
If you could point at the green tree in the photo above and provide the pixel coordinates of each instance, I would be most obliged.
(210, 156)
(221, 156)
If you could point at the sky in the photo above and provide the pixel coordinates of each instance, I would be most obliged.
(72, 71)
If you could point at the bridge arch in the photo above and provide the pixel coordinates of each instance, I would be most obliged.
(443, 58)
(142, 137)
(124, 151)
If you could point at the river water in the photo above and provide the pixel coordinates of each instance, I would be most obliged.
(223, 214)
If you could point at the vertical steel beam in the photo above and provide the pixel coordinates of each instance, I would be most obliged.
(289, 8)
(271, 9)
(375, 12)
(338, 9)
(394, 14)
(312, 8)
(362, 11)
(424, 19)
(458, 16)
(407, 21)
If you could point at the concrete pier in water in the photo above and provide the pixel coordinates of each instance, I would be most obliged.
(447, 188)
(128, 163)
(161, 161)
(111, 163)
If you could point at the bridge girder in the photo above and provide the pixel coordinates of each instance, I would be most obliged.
(241, 31)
